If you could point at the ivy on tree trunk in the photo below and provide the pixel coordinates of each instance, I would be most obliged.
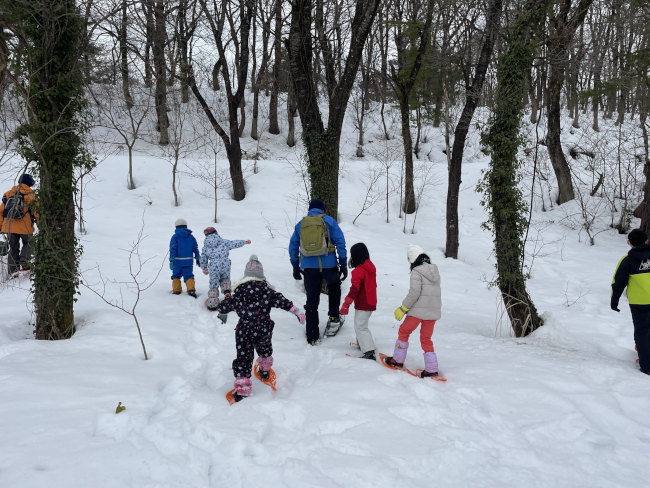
(52, 142)
(503, 198)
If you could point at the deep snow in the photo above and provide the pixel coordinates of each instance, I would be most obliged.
(564, 407)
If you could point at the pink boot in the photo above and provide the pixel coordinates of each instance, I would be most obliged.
(265, 366)
(243, 386)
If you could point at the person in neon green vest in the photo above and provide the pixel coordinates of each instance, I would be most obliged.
(633, 272)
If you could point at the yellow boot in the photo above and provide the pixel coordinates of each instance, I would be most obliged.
(190, 287)
(177, 288)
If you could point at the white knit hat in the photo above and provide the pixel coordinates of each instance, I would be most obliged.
(180, 222)
(413, 251)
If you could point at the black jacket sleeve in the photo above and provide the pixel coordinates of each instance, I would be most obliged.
(621, 276)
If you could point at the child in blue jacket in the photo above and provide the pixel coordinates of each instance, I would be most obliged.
(183, 249)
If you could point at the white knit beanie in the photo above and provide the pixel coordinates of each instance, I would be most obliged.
(180, 222)
(413, 251)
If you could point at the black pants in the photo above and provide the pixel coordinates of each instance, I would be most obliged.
(18, 256)
(313, 281)
(248, 339)
(641, 321)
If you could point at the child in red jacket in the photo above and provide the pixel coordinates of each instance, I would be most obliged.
(363, 292)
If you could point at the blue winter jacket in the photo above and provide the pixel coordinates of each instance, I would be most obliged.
(182, 246)
(329, 261)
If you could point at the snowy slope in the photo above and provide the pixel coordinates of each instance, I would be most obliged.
(565, 407)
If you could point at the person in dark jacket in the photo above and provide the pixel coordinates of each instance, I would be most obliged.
(183, 249)
(633, 272)
(19, 229)
(363, 293)
(252, 299)
(315, 269)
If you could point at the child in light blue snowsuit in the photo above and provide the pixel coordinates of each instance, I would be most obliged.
(215, 261)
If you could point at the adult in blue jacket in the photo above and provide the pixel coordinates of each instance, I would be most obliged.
(315, 269)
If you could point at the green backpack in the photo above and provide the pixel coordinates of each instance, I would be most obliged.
(314, 236)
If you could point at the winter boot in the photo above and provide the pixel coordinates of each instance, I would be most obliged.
(399, 353)
(430, 365)
(177, 288)
(242, 387)
(264, 365)
(391, 362)
(225, 287)
(212, 302)
(369, 355)
(191, 288)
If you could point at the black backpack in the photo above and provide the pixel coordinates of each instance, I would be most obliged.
(14, 206)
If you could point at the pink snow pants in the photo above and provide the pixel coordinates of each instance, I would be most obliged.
(426, 331)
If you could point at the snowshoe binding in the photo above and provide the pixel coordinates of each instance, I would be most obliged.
(333, 326)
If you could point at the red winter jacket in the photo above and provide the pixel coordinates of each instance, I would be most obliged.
(363, 288)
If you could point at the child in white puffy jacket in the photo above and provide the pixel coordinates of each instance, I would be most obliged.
(422, 306)
(216, 262)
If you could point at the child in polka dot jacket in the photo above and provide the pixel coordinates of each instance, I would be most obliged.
(252, 299)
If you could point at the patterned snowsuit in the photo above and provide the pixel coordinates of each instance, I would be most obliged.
(214, 258)
(252, 300)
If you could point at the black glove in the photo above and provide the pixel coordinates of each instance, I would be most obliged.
(343, 273)
(296, 274)
(614, 305)
(198, 263)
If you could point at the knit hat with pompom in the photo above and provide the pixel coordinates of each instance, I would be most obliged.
(254, 268)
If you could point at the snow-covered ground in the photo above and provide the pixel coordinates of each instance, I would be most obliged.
(564, 407)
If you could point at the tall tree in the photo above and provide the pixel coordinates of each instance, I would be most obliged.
(322, 140)
(503, 198)
(472, 95)
(274, 127)
(216, 18)
(160, 69)
(563, 26)
(124, 56)
(49, 36)
(412, 37)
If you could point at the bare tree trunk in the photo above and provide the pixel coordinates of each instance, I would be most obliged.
(274, 127)
(322, 143)
(643, 119)
(403, 81)
(472, 97)
(292, 108)
(160, 66)
(258, 79)
(229, 136)
(215, 75)
(553, 139)
(409, 191)
(563, 29)
(150, 27)
(124, 57)
(534, 101)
